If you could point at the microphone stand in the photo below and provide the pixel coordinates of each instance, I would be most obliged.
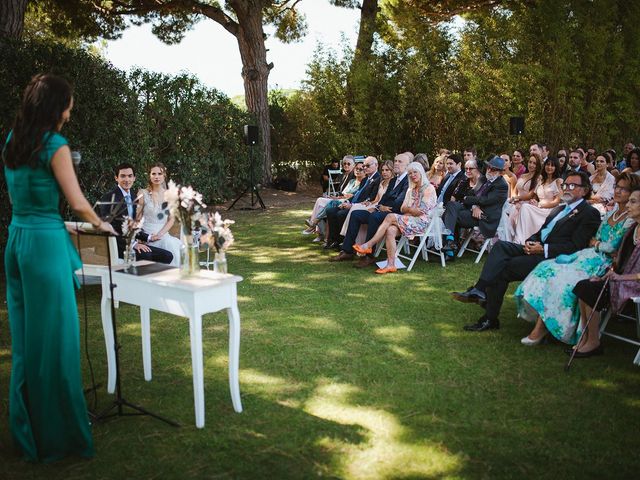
(119, 403)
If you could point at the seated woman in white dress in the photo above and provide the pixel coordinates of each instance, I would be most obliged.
(150, 205)
(602, 183)
(533, 213)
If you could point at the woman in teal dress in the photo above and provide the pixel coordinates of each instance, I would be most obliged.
(546, 295)
(47, 411)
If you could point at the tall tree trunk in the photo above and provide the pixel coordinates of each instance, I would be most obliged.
(255, 72)
(12, 18)
(368, 16)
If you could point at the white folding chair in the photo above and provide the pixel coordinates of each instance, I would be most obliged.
(334, 179)
(430, 242)
(465, 246)
(605, 321)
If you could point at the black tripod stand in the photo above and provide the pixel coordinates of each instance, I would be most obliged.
(251, 187)
(120, 402)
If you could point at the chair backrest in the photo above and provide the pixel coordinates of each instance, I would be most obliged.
(334, 179)
(93, 250)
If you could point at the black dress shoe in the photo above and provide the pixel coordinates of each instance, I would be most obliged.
(329, 245)
(482, 324)
(472, 295)
(599, 350)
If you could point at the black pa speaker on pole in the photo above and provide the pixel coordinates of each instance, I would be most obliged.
(251, 139)
(250, 134)
(516, 125)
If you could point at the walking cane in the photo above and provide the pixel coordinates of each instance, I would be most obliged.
(586, 326)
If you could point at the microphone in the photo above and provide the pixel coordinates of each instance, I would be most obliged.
(76, 158)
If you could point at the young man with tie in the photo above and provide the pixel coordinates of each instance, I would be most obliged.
(119, 203)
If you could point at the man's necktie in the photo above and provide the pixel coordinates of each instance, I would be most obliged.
(127, 199)
(547, 230)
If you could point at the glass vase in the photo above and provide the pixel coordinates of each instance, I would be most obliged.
(189, 257)
(220, 262)
(129, 257)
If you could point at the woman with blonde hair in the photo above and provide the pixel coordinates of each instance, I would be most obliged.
(150, 202)
(437, 171)
(419, 200)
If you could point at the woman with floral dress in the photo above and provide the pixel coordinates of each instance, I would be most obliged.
(420, 199)
(546, 296)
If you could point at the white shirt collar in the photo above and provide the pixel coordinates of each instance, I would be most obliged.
(124, 194)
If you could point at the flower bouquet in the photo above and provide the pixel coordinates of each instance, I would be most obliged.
(130, 229)
(186, 205)
(220, 238)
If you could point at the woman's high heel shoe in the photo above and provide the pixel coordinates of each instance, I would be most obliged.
(386, 270)
(532, 343)
(362, 251)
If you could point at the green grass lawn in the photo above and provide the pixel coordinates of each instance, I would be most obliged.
(348, 374)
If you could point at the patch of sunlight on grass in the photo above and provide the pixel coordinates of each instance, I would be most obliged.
(259, 382)
(130, 328)
(395, 334)
(264, 276)
(262, 259)
(321, 322)
(403, 352)
(602, 384)
(357, 295)
(632, 402)
(384, 454)
(449, 330)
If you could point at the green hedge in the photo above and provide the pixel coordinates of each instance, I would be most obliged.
(140, 117)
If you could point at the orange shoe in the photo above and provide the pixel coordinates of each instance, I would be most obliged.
(362, 251)
(382, 271)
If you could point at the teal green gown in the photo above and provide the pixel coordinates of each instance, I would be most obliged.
(47, 410)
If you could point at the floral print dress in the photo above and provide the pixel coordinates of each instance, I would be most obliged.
(411, 226)
(547, 290)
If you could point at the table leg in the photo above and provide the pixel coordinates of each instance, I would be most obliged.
(195, 331)
(146, 342)
(234, 357)
(107, 328)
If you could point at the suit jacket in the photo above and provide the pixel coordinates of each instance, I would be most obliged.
(571, 233)
(117, 213)
(370, 190)
(491, 202)
(394, 198)
(458, 176)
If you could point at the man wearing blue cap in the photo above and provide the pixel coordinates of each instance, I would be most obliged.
(482, 210)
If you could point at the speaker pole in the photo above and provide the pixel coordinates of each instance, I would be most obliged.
(251, 139)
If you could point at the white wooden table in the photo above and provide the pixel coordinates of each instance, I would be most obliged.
(190, 297)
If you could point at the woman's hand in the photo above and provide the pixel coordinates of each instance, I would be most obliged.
(107, 228)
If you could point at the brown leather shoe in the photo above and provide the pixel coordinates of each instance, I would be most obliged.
(365, 262)
(342, 257)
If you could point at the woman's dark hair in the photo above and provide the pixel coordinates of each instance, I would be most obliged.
(632, 178)
(556, 173)
(637, 152)
(44, 101)
(534, 179)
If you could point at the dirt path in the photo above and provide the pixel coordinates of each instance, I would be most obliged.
(278, 198)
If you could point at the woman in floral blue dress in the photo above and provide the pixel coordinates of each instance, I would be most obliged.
(419, 201)
(546, 296)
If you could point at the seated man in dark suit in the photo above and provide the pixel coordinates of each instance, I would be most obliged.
(481, 210)
(117, 204)
(391, 201)
(367, 192)
(567, 229)
(451, 179)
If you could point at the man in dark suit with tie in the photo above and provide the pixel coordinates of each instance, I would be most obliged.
(367, 192)
(451, 179)
(391, 201)
(482, 210)
(567, 229)
(119, 203)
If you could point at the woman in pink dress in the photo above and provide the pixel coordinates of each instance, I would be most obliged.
(420, 199)
(533, 213)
